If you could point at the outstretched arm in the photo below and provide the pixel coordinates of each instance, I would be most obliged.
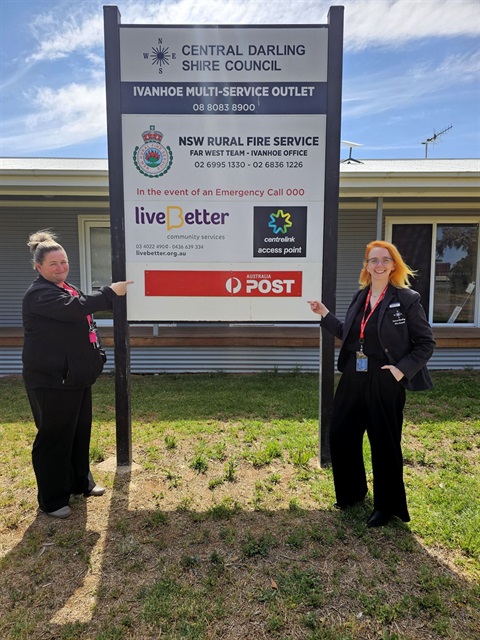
(318, 307)
(120, 288)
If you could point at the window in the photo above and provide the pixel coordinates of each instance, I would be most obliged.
(95, 257)
(100, 257)
(456, 251)
(445, 254)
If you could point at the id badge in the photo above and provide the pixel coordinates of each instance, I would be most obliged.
(361, 362)
(93, 336)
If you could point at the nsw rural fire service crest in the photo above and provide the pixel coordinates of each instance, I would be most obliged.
(152, 159)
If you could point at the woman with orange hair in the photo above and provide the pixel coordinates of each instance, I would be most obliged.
(386, 344)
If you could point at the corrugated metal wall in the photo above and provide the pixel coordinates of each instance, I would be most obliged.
(236, 360)
(356, 228)
(16, 272)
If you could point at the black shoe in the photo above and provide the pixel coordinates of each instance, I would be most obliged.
(96, 491)
(346, 505)
(63, 512)
(378, 519)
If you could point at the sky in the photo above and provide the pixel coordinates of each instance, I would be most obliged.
(411, 70)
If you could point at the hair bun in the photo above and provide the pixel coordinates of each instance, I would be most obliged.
(40, 237)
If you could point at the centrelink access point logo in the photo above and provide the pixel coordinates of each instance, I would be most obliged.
(152, 159)
(280, 232)
(280, 222)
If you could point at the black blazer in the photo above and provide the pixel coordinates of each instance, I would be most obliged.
(403, 330)
(57, 352)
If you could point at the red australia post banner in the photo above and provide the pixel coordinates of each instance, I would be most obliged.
(223, 283)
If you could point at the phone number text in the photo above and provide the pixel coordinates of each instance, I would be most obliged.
(240, 164)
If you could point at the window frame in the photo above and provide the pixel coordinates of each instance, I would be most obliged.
(435, 221)
(86, 222)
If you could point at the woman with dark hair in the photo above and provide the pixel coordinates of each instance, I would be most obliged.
(386, 344)
(62, 358)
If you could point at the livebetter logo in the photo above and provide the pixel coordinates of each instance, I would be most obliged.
(287, 284)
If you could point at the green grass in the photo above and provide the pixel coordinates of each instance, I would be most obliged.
(226, 529)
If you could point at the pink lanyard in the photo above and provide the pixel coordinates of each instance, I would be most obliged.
(92, 336)
(364, 320)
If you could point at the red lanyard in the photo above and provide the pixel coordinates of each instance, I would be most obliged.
(92, 335)
(364, 320)
(70, 290)
(74, 293)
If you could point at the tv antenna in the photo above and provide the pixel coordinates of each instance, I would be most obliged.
(351, 145)
(434, 138)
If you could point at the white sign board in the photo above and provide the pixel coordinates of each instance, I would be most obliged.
(223, 133)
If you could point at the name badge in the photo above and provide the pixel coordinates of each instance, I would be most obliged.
(361, 362)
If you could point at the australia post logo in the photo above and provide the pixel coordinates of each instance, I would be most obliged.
(246, 284)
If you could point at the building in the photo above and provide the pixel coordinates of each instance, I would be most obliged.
(429, 208)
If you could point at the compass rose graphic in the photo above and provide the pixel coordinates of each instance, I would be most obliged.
(160, 55)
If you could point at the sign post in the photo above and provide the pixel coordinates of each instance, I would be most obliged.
(117, 231)
(330, 232)
(221, 135)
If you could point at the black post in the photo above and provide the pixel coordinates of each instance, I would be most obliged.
(121, 333)
(330, 229)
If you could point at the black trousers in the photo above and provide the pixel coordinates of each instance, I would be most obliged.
(369, 402)
(60, 453)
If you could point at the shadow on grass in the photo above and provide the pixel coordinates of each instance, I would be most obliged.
(138, 564)
(48, 567)
(132, 572)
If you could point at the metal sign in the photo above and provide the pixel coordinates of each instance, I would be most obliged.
(224, 150)
(223, 132)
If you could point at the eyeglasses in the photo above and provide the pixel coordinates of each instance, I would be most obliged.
(374, 262)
